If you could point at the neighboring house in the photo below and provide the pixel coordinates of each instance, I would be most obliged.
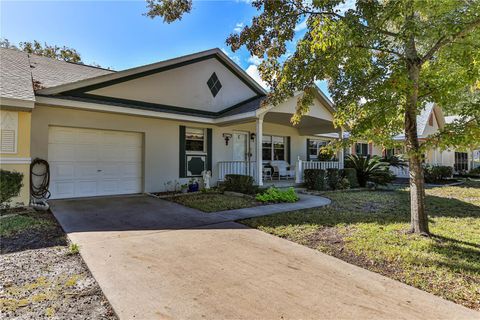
(133, 131)
(429, 121)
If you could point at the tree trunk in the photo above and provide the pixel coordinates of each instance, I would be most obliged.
(419, 219)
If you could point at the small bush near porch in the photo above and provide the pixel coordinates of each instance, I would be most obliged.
(368, 229)
(213, 202)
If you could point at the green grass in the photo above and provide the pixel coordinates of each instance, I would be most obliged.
(18, 223)
(212, 202)
(369, 229)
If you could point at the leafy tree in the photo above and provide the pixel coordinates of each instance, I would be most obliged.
(384, 61)
(60, 53)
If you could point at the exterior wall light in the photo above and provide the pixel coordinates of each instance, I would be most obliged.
(227, 137)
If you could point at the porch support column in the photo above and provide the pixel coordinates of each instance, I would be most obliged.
(342, 152)
(258, 151)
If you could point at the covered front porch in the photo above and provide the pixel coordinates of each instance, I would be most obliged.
(273, 151)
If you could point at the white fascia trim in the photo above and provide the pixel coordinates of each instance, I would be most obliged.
(16, 103)
(121, 110)
(237, 117)
(15, 160)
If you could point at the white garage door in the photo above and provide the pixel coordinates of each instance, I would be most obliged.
(87, 162)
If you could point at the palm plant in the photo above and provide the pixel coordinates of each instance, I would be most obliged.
(397, 161)
(370, 169)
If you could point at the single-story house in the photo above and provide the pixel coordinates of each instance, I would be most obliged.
(138, 130)
(429, 121)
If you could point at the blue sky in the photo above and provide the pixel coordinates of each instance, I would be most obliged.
(115, 33)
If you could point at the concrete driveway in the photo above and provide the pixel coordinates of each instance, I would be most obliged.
(158, 260)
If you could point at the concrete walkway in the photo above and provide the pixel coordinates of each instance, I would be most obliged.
(305, 202)
(159, 260)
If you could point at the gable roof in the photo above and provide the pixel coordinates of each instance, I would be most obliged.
(422, 119)
(25, 76)
(21, 73)
(142, 71)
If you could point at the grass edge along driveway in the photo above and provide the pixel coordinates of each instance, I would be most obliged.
(368, 229)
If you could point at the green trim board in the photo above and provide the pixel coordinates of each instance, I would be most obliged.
(150, 106)
(182, 156)
(308, 149)
(289, 153)
(209, 149)
(161, 69)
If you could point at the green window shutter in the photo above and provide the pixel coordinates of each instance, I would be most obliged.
(289, 154)
(182, 158)
(308, 149)
(209, 149)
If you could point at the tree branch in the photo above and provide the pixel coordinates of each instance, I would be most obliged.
(398, 54)
(449, 39)
(339, 16)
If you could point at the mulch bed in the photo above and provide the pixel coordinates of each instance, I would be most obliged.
(41, 278)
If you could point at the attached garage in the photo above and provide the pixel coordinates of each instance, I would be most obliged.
(90, 162)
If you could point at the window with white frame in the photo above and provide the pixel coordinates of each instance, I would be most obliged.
(274, 148)
(361, 149)
(314, 147)
(195, 140)
(9, 132)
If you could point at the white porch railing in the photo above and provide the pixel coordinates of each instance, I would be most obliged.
(402, 172)
(236, 167)
(302, 165)
(250, 168)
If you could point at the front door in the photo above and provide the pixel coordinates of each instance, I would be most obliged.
(240, 146)
(241, 150)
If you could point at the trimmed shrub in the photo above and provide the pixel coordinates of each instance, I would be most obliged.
(333, 178)
(437, 173)
(277, 195)
(314, 179)
(475, 171)
(343, 184)
(351, 175)
(239, 183)
(11, 183)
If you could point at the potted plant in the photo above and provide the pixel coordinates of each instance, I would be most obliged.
(184, 188)
(193, 185)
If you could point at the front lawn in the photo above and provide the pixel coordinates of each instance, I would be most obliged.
(368, 228)
(213, 202)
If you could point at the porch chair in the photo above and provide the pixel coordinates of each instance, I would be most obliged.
(282, 169)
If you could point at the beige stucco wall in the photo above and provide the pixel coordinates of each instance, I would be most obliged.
(161, 154)
(184, 87)
(22, 155)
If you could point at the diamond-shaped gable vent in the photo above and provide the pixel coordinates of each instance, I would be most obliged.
(214, 84)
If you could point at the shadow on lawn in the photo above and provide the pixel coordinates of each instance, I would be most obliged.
(47, 233)
(385, 208)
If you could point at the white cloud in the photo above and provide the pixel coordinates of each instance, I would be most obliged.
(238, 27)
(252, 71)
(255, 60)
(235, 58)
(301, 26)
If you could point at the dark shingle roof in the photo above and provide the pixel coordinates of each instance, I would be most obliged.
(248, 106)
(22, 73)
